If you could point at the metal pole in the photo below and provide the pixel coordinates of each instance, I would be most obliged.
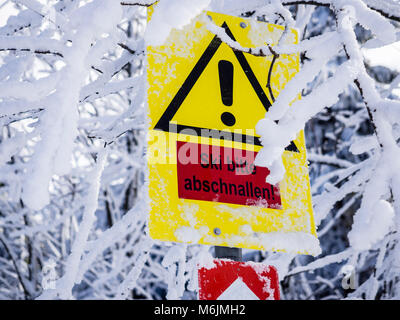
(228, 253)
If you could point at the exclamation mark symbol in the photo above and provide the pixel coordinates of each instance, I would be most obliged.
(225, 69)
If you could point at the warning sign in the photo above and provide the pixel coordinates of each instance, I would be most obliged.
(233, 280)
(205, 100)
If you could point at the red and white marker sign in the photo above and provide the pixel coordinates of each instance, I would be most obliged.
(233, 280)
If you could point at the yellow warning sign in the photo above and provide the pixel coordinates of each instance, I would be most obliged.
(205, 100)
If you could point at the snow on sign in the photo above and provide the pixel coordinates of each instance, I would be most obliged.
(233, 280)
(204, 101)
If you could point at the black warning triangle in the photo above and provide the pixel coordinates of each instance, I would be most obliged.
(164, 124)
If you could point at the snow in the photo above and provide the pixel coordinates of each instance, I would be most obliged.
(7, 11)
(371, 223)
(322, 262)
(169, 15)
(190, 234)
(275, 137)
(65, 284)
(10, 147)
(289, 242)
(206, 260)
(364, 144)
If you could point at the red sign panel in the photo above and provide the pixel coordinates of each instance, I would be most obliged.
(222, 174)
(233, 280)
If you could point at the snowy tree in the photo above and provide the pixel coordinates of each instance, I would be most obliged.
(73, 208)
